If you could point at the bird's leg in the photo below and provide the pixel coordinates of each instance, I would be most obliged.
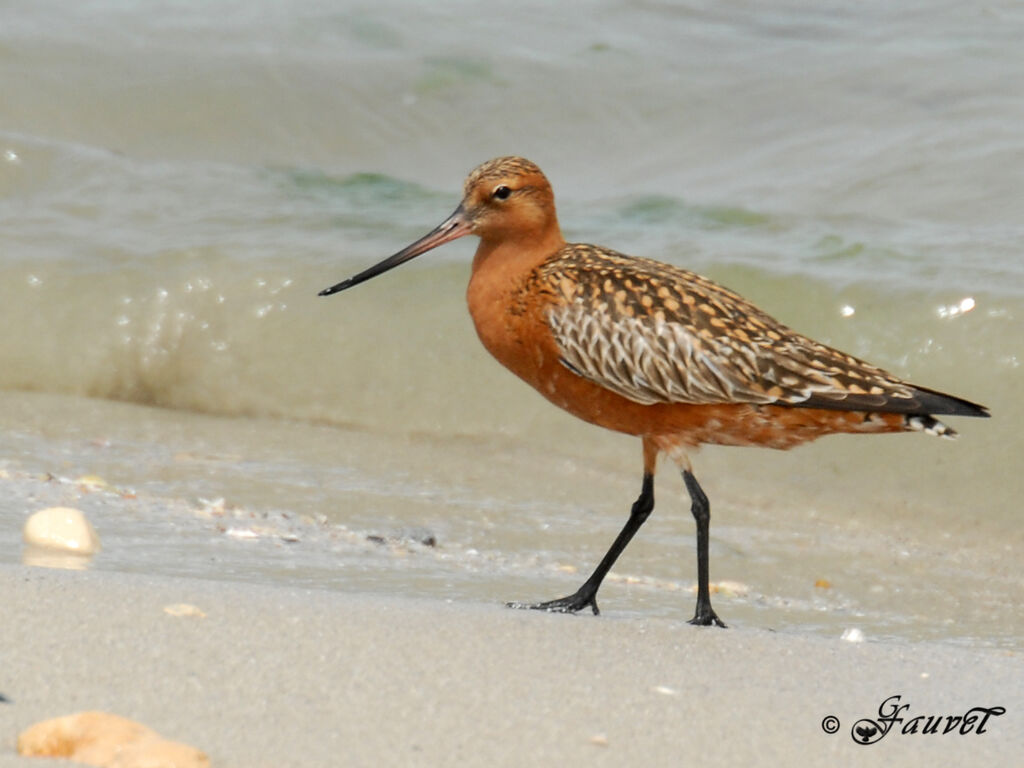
(701, 510)
(587, 594)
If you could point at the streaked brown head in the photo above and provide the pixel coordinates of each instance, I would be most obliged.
(509, 198)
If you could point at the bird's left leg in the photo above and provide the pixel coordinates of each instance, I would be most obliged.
(701, 510)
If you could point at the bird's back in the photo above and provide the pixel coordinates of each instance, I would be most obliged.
(655, 333)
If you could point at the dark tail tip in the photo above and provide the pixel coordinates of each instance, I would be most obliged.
(930, 401)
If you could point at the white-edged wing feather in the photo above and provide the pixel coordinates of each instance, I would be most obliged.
(658, 334)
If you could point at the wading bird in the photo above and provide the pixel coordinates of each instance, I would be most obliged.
(652, 350)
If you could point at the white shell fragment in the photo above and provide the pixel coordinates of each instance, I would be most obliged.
(61, 528)
(184, 609)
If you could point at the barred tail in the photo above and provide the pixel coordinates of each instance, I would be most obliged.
(929, 424)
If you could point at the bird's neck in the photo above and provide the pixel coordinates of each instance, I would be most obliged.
(517, 254)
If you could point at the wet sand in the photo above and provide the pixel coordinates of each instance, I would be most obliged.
(272, 676)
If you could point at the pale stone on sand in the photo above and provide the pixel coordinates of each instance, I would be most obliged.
(184, 609)
(61, 528)
(92, 483)
(109, 741)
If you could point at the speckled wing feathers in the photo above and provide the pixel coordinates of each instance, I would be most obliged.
(658, 334)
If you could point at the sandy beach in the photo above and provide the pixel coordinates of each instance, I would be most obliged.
(293, 654)
(282, 677)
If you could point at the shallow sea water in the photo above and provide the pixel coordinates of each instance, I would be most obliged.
(177, 181)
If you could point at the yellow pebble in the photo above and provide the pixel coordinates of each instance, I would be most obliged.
(63, 528)
(184, 609)
(92, 483)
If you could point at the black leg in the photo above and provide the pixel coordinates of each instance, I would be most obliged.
(701, 510)
(587, 594)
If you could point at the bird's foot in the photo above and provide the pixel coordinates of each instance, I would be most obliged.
(705, 617)
(574, 602)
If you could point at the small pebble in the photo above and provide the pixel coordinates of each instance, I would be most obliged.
(91, 483)
(241, 533)
(599, 740)
(184, 609)
(731, 588)
(63, 528)
(211, 507)
(419, 534)
(823, 584)
(853, 635)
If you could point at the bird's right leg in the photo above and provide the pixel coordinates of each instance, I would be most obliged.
(586, 595)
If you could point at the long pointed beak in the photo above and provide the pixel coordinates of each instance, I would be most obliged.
(455, 226)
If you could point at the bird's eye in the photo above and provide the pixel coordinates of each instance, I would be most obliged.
(501, 193)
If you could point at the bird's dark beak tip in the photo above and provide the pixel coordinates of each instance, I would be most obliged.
(453, 227)
(334, 289)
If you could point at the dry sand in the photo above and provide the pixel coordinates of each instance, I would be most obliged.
(282, 677)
